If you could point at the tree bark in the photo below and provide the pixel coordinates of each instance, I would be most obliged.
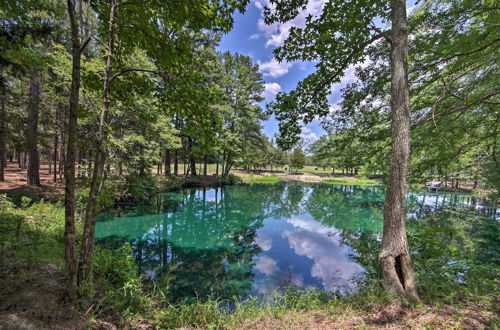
(32, 129)
(397, 271)
(69, 164)
(3, 128)
(85, 271)
(205, 166)
(176, 162)
(167, 162)
(192, 163)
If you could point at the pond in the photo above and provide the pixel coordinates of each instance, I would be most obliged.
(234, 241)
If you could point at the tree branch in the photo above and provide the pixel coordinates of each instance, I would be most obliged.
(119, 73)
(86, 42)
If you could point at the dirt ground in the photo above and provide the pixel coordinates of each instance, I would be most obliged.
(33, 298)
(15, 183)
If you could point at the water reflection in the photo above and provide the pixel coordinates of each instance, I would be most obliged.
(238, 240)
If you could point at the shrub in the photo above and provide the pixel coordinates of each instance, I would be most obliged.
(170, 182)
(140, 187)
(119, 287)
(231, 179)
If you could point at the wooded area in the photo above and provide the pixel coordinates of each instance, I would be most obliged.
(132, 94)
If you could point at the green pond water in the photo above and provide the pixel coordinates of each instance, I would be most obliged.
(234, 241)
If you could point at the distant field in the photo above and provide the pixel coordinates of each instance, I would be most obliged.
(306, 169)
(261, 179)
(352, 180)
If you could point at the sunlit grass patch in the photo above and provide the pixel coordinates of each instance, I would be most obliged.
(352, 180)
(270, 179)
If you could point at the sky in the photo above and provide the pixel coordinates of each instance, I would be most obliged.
(251, 36)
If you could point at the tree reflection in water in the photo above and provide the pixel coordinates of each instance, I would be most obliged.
(237, 240)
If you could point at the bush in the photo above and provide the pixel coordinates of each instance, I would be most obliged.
(166, 183)
(140, 187)
(119, 287)
(231, 179)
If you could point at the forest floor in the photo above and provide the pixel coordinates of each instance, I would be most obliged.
(36, 301)
(15, 184)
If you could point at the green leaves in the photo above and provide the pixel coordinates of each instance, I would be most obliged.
(335, 39)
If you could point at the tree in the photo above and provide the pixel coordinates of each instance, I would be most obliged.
(135, 31)
(452, 89)
(337, 39)
(242, 84)
(69, 170)
(297, 159)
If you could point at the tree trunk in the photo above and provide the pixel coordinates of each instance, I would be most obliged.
(69, 164)
(32, 129)
(192, 163)
(85, 271)
(167, 162)
(176, 162)
(397, 271)
(205, 166)
(56, 140)
(49, 160)
(3, 128)
(192, 166)
(62, 151)
(217, 169)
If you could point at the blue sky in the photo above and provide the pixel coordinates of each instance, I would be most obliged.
(250, 36)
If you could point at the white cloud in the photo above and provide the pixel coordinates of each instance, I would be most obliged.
(321, 244)
(270, 90)
(264, 242)
(266, 265)
(307, 135)
(255, 36)
(259, 4)
(275, 277)
(277, 33)
(273, 68)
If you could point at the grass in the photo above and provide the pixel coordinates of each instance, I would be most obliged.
(316, 170)
(306, 169)
(352, 181)
(269, 179)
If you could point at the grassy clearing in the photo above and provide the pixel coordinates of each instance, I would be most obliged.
(352, 181)
(268, 179)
